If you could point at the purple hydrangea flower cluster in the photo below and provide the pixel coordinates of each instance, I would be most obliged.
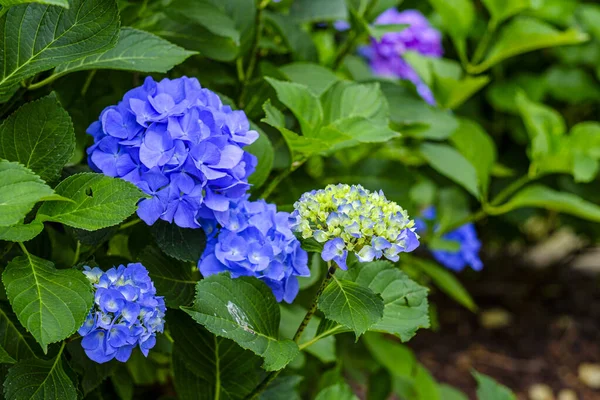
(178, 143)
(256, 240)
(466, 236)
(385, 55)
(127, 313)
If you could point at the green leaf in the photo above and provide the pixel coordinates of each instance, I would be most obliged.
(99, 201)
(405, 302)
(219, 367)
(300, 147)
(172, 279)
(185, 32)
(348, 99)
(377, 31)
(414, 117)
(544, 197)
(525, 34)
(5, 358)
(571, 84)
(296, 39)
(263, 150)
(304, 105)
(449, 162)
(291, 317)
(284, 387)
(200, 25)
(339, 391)
(444, 280)
(39, 380)
(315, 77)
(351, 305)
(318, 11)
(457, 16)
(135, 51)
(40, 136)
(9, 3)
(501, 10)
(184, 244)
(39, 37)
(489, 389)
(244, 310)
(477, 147)
(413, 381)
(21, 232)
(205, 14)
(52, 304)
(122, 383)
(447, 392)
(13, 337)
(20, 189)
(92, 373)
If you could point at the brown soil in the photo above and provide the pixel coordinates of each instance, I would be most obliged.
(555, 326)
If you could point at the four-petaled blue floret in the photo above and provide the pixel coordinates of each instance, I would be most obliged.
(178, 143)
(466, 237)
(256, 240)
(126, 313)
(353, 219)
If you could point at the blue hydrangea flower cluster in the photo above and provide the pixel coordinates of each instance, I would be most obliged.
(466, 236)
(256, 240)
(127, 313)
(385, 54)
(178, 143)
(351, 218)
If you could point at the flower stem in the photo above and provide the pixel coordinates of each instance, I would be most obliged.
(309, 314)
(483, 212)
(77, 253)
(129, 224)
(247, 76)
(277, 180)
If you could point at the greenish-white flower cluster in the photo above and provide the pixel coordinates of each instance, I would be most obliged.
(352, 218)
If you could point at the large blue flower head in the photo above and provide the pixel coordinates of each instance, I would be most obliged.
(386, 54)
(465, 236)
(126, 313)
(178, 143)
(351, 218)
(256, 240)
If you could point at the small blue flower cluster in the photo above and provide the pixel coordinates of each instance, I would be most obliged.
(466, 236)
(178, 143)
(351, 218)
(256, 240)
(126, 313)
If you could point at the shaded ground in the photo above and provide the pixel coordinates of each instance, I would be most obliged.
(554, 327)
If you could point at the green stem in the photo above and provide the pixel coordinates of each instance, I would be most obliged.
(510, 189)
(483, 212)
(88, 82)
(277, 180)
(129, 224)
(483, 44)
(77, 253)
(22, 246)
(43, 82)
(309, 314)
(345, 49)
(247, 76)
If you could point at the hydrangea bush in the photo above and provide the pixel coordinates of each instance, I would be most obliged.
(255, 178)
